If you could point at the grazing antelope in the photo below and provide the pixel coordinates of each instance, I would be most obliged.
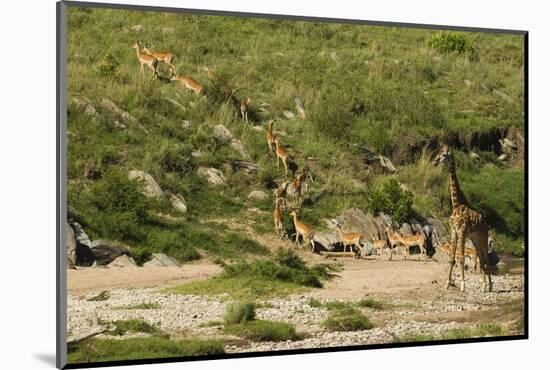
(468, 251)
(409, 241)
(161, 57)
(280, 192)
(281, 154)
(278, 216)
(304, 230)
(393, 240)
(243, 108)
(228, 92)
(270, 136)
(146, 59)
(296, 186)
(379, 245)
(189, 83)
(350, 239)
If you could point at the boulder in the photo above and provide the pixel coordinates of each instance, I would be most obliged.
(71, 246)
(221, 132)
(137, 28)
(212, 175)
(178, 202)
(376, 162)
(124, 116)
(83, 104)
(325, 240)
(152, 188)
(288, 114)
(83, 254)
(258, 195)
(162, 260)
(300, 107)
(106, 252)
(123, 261)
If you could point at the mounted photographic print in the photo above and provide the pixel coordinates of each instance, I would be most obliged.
(239, 185)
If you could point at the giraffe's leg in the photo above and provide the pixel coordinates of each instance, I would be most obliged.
(451, 257)
(461, 242)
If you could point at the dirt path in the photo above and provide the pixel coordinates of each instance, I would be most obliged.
(94, 278)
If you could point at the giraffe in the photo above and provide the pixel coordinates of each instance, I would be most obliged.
(464, 222)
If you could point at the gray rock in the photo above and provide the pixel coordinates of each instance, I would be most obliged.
(84, 104)
(212, 175)
(123, 261)
(288, 114)
(258, 195)
(300, 107)
(178, 202)
(502, 157)
(152, 188)
(185, 124)
(71, 246)
(124, 116)
(83, 254)
(162, 260)
(196, 153)
(221, 132)
(106, 252)
(137, 28)
(474, 156)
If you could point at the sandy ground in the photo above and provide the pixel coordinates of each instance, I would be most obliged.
(414, 290)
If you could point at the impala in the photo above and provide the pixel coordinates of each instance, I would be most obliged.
(304, 230)
(350, 239)
(243, 108)
(189, 83)
(146, 59)
(278, 216)
(411, 240)
(280, 192)
(270, 136)
(162, 57)
(282, 154)
(296, 186)
(393, 240)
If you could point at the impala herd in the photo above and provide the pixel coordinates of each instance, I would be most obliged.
(463, 220)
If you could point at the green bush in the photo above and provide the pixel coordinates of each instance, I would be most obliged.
(108, 65)
(453, 42)
(239, 313)
(347, 320)
(392, 199)
(133, 326)
(371, 303)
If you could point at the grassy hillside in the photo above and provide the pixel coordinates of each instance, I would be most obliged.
(388, 89)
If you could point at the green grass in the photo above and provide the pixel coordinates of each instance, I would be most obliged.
(477, 331)
(371, 303)
(95, 350)
(264, 330)
(389, 89)
(102, 296)
(314, 303)
(239, 313)
(285, 274)
(134, 326)
(347, 320)
(140, 306)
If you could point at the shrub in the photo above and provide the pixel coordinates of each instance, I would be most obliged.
(392, 199)
(133, 326)
(239, 313)
(332, 116)
(452, 42)
(108, 65)
(371, 303)
(103, 296)
(347, 320)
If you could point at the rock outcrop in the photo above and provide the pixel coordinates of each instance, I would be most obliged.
(223, 133)
(162, 260)
(212, 175)
(106, 252)
(152, 188)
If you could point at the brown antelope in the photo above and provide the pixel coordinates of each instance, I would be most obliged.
(304, 230)
(281, 154)
(243, 108)
(350, 239)
(270, 136)
(189, 83)
(379, 245)
(146, 59)
(468, 251)
(161, 57)
(278, 216)
(393, 240)
(296, 186)
(409, 241)
(228, 92)
(280, 192)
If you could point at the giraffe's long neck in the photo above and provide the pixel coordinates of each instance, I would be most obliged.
(454, 187)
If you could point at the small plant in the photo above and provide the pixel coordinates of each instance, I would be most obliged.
(134, 326)
(370, 303)
(347, 320)
(103, 296)
(108, 65)
(392, 199)
(140, 306)
(314, 303)
(453, 42)
(239, 313)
